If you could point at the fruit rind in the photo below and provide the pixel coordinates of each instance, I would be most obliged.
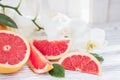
(61, 54)
(83, 54)
(6, 68)
(48, 65)
(47, 68)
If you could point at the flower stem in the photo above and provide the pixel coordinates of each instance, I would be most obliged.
(18, 12)
(10, 7)
(38, 27)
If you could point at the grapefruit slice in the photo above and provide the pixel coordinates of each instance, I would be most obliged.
(38, 63)
(14, 52)
(52, 50)
(83, 62)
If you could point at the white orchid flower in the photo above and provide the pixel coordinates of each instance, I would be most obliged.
(96, 39)
(86, 38)
(92, 39)
(56, 25)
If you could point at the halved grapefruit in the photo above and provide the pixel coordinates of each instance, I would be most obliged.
(14, 52)
(84, 62)
(37, 62)
(52, 50)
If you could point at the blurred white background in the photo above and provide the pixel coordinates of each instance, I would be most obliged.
(91, 11)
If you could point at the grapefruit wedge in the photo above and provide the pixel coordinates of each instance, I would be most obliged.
(52, 50)
(84, 62)
(37, 62)
(14, 52)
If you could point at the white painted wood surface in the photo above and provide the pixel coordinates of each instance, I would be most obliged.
(114, 12)
(98, 11)
(110, 66)
(90, 11)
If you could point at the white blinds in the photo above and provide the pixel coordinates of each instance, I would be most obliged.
(90, 11)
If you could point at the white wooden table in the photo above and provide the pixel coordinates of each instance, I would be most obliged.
(111, 64)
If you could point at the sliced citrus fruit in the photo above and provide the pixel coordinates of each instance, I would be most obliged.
(37, 61)
(14, 52)
(52, 50)
(83, 62)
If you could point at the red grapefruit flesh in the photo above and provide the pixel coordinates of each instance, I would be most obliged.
(37, 61)
(83, 62)
(14, 52)
(52, 50)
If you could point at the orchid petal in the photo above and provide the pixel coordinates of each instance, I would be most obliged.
(55, 25)
(96, 39)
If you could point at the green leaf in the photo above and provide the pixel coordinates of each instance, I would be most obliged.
(57, 71)
(7, 21)
(98, 57)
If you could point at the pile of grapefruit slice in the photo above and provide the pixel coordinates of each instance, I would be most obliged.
(15, 51)
(44, 50)
(58, 50)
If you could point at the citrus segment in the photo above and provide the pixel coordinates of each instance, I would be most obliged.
(68, 65)
(37, 61)
(76, 65)
(14, 52)
(91, 67)
(83, 62)
(52, 50)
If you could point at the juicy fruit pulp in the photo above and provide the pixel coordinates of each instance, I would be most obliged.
(82, 62)
(52, 49)
(37, 61)
(14, 52)
(10, 49)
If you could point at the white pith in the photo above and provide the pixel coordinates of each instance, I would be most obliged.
(47, 66)
(43, 70)
(6, 47)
